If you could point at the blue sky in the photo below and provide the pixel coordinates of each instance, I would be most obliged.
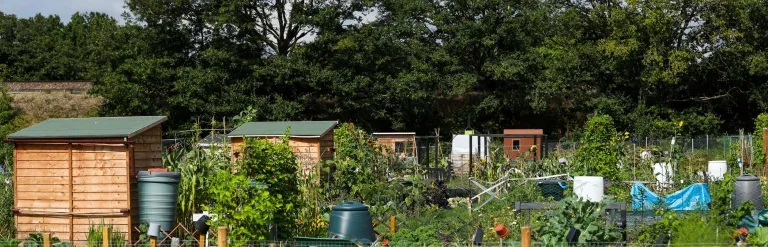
(63, 8)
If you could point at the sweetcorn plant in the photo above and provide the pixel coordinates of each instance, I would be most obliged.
(582, 215)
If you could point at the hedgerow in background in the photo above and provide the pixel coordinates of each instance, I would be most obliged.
(598, 153)
(757, 140)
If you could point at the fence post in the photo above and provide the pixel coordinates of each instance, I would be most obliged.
(222, 236)
(105, 235)
(691, 144)
(765, 146)
(525, 233)
(152, 241)
(392, 224)
(46, 239)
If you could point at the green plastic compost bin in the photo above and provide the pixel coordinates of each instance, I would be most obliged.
(551, 188)
(324, 242)
(158, 195)
(352, 221)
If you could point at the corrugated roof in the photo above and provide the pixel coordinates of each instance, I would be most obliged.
(298, 128)
(99, 127)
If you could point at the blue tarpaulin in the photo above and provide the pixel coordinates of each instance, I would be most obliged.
(693, 197)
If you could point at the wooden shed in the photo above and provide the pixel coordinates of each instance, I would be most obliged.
(519, 141)
(312, 141)
(403, 144)
(70, 173)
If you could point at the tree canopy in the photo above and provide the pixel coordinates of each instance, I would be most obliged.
(413, 65)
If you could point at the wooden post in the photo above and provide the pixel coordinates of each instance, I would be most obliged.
(525, 233)
(765, 148)
(152, 241)
(105, 235)
(71, 198)
(202, 239)
(392, 224)
(222, 236)
(46, 240)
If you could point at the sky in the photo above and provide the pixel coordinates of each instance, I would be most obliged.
(63, 8)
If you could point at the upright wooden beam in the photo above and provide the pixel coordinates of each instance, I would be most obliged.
(525, 232)
(128, 170)
(765, 148)
(105, 236)
(71, 198)
(15, 187)
(46, 239)
(222, 236)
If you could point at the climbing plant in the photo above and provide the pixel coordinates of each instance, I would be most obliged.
(598, 154)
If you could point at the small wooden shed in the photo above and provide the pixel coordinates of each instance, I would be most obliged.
(70, 173)
(519, 141)
(312, 141)
(403, 144)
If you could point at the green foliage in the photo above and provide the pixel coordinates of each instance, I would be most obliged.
(241, 203)
(8, 123)
(9, 242)
(759, 238)
(96, 236)
(696, 229)
(758, 154)
(422, 236)
(36, 240)
(598, 152)
(734, 219)
(244, 208)
(358, 170)
(720, 193)
(583, 215)
(196, 166)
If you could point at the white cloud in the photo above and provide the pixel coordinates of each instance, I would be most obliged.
(63, 8)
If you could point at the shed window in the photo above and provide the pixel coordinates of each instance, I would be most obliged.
(515, 144)
(399, 147)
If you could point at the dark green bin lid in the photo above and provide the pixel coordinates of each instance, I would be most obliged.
(350, 206)
(152, 176)
(747, 178)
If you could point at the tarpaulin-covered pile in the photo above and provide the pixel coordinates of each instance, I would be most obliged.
(693, 197)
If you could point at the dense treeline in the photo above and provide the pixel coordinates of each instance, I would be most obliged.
(414, 65)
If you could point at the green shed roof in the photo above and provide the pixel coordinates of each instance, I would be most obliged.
(99, 127)
(298, 128)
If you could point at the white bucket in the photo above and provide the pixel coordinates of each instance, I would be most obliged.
(663, 173)
(716, 169)
(588, 188)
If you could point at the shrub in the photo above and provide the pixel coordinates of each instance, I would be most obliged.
(583, 215)
(242, 204)
(757, 139)
(598, 153)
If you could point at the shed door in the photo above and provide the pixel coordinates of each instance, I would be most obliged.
(59, 187)
(42, 189)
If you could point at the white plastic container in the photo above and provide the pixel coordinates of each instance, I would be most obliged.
(716, 169)
(664, 173)
(588, 188)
